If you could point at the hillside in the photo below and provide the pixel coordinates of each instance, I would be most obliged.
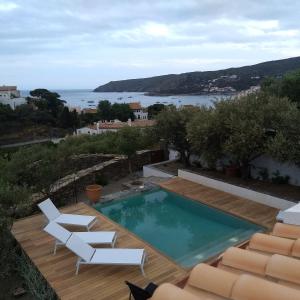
(221, 81)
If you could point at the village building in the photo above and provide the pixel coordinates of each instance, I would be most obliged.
(112, 126)
(10, 95)
(139, 112)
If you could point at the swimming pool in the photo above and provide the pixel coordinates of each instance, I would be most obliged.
(187, 231)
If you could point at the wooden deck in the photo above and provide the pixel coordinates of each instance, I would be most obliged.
(93, 282)
(255, 212)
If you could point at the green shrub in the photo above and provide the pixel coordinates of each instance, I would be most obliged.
(279, 179)
(35, 282)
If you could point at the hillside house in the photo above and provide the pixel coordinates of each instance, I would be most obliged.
(112, 126)
(139, 112)
(11, 95)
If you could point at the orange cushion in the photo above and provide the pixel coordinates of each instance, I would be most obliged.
(285, 268)
(286, 230)
(167, 291)
(212, 280)
(250, 287)
(271, 244)
(245, 260)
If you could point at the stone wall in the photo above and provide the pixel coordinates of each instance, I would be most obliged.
(83, 161)
(111, 167)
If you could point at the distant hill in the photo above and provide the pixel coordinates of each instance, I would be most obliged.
(221, 81)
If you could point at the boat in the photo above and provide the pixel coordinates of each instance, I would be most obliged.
(91, 101)
(129, 96)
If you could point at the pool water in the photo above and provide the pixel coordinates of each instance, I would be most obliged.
(187, 231)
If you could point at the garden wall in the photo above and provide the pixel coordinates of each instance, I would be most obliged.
(111, 167)
(236, 190)
(291, 170)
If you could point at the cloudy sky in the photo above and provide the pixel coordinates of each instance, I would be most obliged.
(84, 43)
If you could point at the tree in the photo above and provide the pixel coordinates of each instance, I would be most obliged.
(6, 113)
(65, 118)
(154, 109)
(172, 126)
(244, 128)
(105, 110)
(122, 112)
(45, 99)
(129, 140)
(206, 133)
(288, 86)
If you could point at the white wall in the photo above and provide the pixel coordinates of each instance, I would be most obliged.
(14, 102)
(284, 168)
(140, 115)
(86, 130)
(263, 161)
(173, 154)
(150, 170)
(236, 190)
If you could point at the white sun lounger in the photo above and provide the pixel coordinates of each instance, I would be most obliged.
(62, 235)
(290, 215)
(53, 215)
(90, 256)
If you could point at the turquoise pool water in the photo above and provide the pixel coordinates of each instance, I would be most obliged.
(187, 231)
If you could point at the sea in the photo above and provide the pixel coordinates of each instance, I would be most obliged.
(89, 99)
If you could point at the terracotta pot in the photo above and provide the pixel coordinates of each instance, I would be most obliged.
(232, 171)
(93, 192)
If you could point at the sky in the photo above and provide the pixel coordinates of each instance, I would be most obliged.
(71, 44)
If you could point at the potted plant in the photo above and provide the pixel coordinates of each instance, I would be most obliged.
(232, 170)
(93, 192)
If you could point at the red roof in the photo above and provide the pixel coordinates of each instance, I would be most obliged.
(135, 105)
(7, 88)
(118, 125)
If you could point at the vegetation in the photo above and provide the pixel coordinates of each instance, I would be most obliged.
(172, 127)
(238, 129)
(155, 109)
(35, 283)
(287, 86)
(120, 111)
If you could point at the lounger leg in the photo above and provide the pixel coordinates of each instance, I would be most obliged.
(142, 269)
(114, 241)
(55, 247)
(142, 264)
(91, 224)
(78, 265)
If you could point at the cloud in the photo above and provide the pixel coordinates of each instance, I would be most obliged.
(7, 6)
(106, 40)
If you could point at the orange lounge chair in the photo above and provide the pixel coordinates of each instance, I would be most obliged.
(272, 244)
(168, 291)
(249, 287)
(286, 231)
(279, 268)
(213, 283)
(240, 261)
(209, 282)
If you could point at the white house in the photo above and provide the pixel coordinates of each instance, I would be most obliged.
(139, 112)
(112, 126)
(11, 96)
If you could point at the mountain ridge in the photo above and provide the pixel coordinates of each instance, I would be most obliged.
(227, 80)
